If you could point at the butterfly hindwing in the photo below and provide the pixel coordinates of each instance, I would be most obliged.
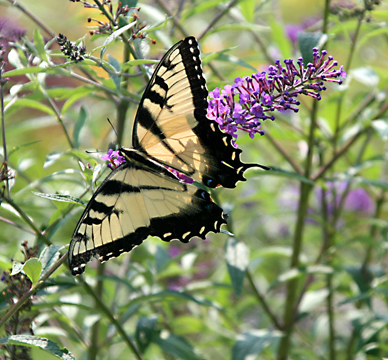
(171, 125)
(138, 199)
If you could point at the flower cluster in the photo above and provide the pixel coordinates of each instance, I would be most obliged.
(9, 33)
(114, 158)
(73, 52)
(263, 93)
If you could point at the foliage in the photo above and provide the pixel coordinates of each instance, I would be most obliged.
(305, 275)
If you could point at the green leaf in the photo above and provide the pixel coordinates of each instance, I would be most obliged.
(112, 37)
(308, 41)
(366, 75)
(78, 126)
(312, 300)
(39, 45)
(130, 3)
(67, 174)
(38, 342)
(137, 62)
(16, 268)
(240, 27)
(361, 180)
(49, 256)
(116, 65)
(362, 277)
(62, 198)
(145, 329)
(233, 60)
(253, 342)
(24, 71)
(371, 329)
(280, 38)
(5, 263)
(52, 158)
(202, 6)
(175, 345)
(237, 261)
(286, 276)
(22, 103)
(161, 258)
(171, 294)
(22, 146)
(157, 26)
(33, 269)
(73, 98)
(248, 9)
(368, 37)
(15, 61)
(381, 127)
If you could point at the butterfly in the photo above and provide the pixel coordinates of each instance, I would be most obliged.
(142, 197)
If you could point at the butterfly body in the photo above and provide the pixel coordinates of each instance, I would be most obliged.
(142, 197)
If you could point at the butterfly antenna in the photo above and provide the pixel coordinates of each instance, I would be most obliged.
(113, 128)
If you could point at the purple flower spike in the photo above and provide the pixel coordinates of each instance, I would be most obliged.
(276, 89)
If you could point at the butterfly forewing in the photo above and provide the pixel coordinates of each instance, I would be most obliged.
(171, 124)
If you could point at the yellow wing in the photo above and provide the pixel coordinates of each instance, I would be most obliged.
(171, 125)
(138, 199)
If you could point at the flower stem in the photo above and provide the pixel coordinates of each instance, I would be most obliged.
(5, 156)
(292, 285)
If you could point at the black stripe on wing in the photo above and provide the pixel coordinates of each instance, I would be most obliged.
(225, 167)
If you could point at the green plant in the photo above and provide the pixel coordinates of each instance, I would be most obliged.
(304, 276)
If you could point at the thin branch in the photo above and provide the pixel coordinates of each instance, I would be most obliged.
(284, 153)
(33, 18)
(263, 302)
(57, 114)
(217, 18)
(26, 218)
(7, 221)
(111, 318)
(174, 17)
(177, 23)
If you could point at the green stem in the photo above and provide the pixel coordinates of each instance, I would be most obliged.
(123, 105)
(373, 231)
(292, 285)
(330, 314)
(112, 319)
(259, 296)
(351, 345)
(4, 171)
(27, 219)
(57, 114)
(94, 347)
